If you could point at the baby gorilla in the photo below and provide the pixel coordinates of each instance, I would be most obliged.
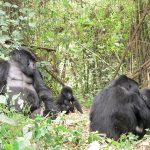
(67, 102)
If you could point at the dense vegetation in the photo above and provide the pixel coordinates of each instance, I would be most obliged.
(79, 43)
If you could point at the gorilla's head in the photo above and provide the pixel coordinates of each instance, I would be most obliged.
(127, 83)
(67, 92)
(25, 60)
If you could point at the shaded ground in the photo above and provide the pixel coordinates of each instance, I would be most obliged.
(67, 132)
(82, 120)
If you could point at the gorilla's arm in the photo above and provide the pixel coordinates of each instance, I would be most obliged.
(141, 111)
(145, 94)
(64, 104)
(66, 108)
(77, 105)
(69, 106)
(4, 67)
(44, 95)
(145, 114)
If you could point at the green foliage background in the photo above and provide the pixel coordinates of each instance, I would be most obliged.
(89, 38)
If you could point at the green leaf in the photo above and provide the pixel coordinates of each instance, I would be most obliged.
(2, 13)
(4, 28)
(16, 35)
(28, 136)
(3, 99)
(32, 25)
(14, 6)
(8, 147)
(7, 4)
(26, 128)
(31, 14)
(15, 145)
(5, 119)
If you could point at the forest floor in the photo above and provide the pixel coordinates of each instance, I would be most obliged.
(66, 132)
(79, 122)
(76, 119)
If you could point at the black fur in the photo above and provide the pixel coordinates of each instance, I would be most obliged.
(145, 93)
(25, 60)
(19, 76)
(16, 79)
(45, 96)
(118, 109)
(4, 68)
(67, 102)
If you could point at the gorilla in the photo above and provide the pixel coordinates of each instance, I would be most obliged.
(145, 93)
(67, 102)
(118, 109)
(23, 83)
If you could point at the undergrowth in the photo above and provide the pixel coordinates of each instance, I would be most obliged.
(67, 132)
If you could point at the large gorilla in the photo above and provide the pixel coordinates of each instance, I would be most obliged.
(118, 109)
(67, 102)
(19, 76)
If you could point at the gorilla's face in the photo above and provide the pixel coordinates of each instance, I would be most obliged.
(28, 66)
(25, 60)
(67, 92)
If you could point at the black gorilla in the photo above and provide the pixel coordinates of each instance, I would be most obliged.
(67, 102)
(118, 109)
(45, 96)
(18, 76)
(145, 93)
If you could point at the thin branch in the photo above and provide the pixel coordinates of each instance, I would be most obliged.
(31, 46)
(143, 66)
(54, 76)
(38, 47)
